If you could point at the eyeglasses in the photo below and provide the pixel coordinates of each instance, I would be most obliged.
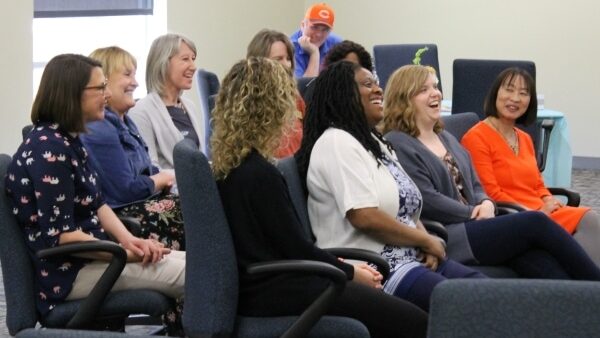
(101, 87)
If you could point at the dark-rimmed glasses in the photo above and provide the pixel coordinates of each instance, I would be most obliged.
(101, 87)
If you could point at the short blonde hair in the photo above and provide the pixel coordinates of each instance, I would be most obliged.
(255, 104)
(398, 110)
(113, 59)
(157, 65)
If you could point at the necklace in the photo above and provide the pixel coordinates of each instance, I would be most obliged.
(512, 144)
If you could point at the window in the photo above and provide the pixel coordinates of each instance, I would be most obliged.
(81, 35)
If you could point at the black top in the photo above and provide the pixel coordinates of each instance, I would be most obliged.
(265, 227)
(183, 123)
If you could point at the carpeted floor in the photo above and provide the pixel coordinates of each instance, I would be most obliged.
(586, 182)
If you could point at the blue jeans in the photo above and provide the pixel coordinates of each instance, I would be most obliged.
(417, 286)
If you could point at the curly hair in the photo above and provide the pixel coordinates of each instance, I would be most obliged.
(336, 103)
(255, 105)
(398, 109)
(342, 49)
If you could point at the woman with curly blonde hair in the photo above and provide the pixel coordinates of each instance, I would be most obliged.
(254, 106)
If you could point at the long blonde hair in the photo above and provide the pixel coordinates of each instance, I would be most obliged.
(255, 104)
(398, 110)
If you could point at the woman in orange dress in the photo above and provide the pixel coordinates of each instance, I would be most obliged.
(505, 161)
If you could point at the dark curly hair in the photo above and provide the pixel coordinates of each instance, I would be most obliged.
(336, 103)
(342, 49)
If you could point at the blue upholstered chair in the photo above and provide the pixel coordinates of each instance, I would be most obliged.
(514, 308)
(100, 310)
(472, 79)
(208, 85)
(388, 58)
(211, 288)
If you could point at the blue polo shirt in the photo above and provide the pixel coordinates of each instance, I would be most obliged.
(301, 58)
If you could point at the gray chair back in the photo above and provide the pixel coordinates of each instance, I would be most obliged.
(514, 308)
(459, 124)
(388, 58)
(289, 169)
(17, 270)
(211, 285)
(208, 85)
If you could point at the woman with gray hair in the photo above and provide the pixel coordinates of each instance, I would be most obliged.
(164, 117)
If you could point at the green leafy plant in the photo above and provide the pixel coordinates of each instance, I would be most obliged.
(417, 59)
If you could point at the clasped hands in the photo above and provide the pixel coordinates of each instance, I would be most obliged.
(144, 250)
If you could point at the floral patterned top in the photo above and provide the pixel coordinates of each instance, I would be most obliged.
(53, 190)
(402, 259)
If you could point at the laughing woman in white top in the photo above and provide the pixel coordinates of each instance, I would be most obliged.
(164, 117)
(359, 195)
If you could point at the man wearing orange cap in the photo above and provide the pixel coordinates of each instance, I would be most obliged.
(313, 40)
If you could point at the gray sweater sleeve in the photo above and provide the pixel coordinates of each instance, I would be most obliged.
(440, 198)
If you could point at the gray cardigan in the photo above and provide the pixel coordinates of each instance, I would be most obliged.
(440, 197)
(158, 130)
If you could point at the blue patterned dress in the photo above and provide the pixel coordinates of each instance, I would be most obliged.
(53, 190)
(402, 259)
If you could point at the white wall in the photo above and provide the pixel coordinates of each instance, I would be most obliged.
(562, 38)
(16, 65)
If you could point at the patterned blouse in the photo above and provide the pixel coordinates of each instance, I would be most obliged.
(402, 259)
(52, 191)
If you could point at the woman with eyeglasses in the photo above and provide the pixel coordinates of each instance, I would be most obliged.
(55, 197)
(131, 185)
(164, 117)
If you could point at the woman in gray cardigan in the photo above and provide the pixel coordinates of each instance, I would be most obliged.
(163, 117)
(532, 244)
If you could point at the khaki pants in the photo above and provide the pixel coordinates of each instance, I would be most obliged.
(166, 276)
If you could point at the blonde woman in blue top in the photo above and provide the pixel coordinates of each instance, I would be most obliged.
(131, 184)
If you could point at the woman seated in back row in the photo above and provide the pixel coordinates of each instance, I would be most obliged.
(131, 185)
(528, 241)
(278, 47)
(505, 160)
(56, 200)
(255, 105)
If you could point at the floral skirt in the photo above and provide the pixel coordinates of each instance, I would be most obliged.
(160, 219)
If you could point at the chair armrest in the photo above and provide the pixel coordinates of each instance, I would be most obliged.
(507, 208)
(436, 228)
(573, 198)
(317, 309)
(92, 303)
(363, 255)
(132, 224)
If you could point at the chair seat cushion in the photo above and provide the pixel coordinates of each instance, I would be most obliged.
(327, 327)
(120, 303)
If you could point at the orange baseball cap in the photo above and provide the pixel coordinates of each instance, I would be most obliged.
(320, 13)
